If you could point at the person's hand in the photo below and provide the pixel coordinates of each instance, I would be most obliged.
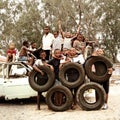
(51, 67)
(42, 73)
(59, 24)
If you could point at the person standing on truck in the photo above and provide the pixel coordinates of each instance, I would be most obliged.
(11, 53)
(24, 53)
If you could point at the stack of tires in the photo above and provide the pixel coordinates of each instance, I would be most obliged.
(72, 76)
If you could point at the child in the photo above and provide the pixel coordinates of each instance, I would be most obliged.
(23, 55)
(55, 62)
(96, 69)
(11, 52)
(33, 46)
(65, 57)
(41, 61)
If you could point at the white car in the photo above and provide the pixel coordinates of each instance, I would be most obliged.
(14, 82)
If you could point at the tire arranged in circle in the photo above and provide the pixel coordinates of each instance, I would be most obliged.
(101, 71)
(67, 98)
(99, 92)
(75, 75)
(42, 83)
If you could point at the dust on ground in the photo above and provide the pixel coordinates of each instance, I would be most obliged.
(26, 109)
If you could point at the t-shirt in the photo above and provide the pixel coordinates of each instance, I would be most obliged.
(38, 62)
(78, 59)
(47, 41)
(11, 51)
(57, 43)
(55, 63)
(67, 43)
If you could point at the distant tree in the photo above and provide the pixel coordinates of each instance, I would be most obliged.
(30, 22)
(108, 13)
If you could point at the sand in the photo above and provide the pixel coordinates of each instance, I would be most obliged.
(24, 111)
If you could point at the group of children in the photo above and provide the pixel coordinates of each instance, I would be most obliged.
(23, 55)
(58, 59)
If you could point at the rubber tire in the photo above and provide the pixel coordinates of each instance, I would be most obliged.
(65, 91)
(103, 63)
(90, 106)
(80, 79)
(43, 87)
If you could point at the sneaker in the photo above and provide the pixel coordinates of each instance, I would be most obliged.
(105, 107)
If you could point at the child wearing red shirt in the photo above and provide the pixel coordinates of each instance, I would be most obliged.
(11, 52)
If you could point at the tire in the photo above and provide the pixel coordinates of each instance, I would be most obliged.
(101, 74)
(67, 98)
(99, 92)
(42, 83)
(75, 75)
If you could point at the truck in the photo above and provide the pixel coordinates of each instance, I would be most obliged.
(14, 83)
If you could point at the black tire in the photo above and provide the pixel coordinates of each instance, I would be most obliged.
(75, 78)
(99, 92)
(101, 74)
(42, 83)
(67, 98)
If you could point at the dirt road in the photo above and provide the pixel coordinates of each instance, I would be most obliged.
(27, 110)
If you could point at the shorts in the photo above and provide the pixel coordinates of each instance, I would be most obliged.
(22, 58)
(105, 86)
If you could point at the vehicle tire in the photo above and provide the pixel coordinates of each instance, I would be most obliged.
(72, 75)
(101, 73)
(67, 98)
(99, 96)
(42, 83)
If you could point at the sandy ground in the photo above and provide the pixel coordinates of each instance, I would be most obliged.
(23, 111)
